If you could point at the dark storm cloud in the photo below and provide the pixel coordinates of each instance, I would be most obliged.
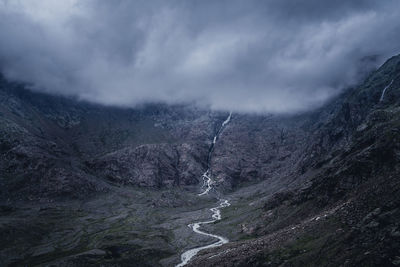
(273, 56)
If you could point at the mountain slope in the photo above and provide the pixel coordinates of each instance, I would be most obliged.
(347, 213)
(52, 146)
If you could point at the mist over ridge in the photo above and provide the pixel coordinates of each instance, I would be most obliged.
(253, 56)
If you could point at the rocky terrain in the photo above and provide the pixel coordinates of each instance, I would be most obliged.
(339, 205)
(83, 184)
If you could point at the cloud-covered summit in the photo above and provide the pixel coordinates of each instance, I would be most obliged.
(264, 56)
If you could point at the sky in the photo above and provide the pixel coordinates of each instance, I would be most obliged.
(274, 56)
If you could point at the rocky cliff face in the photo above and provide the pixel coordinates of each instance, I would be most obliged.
(320, 188)
(52, 146)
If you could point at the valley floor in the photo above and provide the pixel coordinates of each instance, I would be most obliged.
(128, 227)
(132, 227)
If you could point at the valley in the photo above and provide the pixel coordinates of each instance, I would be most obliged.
(89, 185)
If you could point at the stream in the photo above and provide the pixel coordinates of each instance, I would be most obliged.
(216, 211)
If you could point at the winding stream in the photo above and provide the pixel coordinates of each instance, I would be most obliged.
(216, 211)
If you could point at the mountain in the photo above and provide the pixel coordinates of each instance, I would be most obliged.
(340, 206)
(117, 187)
(52, 146)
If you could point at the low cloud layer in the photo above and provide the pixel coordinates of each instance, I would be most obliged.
(262, 56)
